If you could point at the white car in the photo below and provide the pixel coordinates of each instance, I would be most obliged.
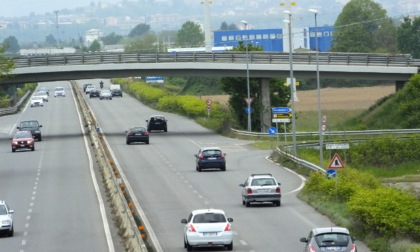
(59, 91)
(208, 228)
(89, 88)
(105, 94)
(37, 101)
(6, 218)
(43, 94)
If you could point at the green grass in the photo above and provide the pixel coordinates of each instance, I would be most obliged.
(307, 121)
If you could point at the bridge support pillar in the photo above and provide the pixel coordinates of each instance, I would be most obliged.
(399, 85)
(265, 105)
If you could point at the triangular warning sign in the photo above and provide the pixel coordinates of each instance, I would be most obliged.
(336, 162)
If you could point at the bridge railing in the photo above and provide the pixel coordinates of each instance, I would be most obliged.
(401, 60)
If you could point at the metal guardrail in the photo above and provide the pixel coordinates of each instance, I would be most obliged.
(12, 110)
(356, 59)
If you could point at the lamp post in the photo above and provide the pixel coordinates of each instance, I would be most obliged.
(247, 79)
(318, 86)
(292, 81)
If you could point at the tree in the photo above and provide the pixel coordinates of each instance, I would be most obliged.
(408, 37)
(139, 30)
(112, 39)
(363, 26)
(95, 46)
(190, 35)
(225, 27)
(237, 89)
(11, 44)
(6, 64)
(50, 40)
(149, 44)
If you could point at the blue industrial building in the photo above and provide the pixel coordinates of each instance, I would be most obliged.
(270, 39)
(325, 36)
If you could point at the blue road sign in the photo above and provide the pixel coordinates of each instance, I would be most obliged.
(248, 110)
(281, 110)
(272, 131)
(331, 173)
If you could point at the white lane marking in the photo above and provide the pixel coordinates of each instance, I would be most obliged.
(95, 183)
(243, 242)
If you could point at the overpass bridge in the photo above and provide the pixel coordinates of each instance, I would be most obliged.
(41, 68)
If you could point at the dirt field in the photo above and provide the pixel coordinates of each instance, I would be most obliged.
(332, 98)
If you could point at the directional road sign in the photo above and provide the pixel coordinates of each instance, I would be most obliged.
(272, 131)
(248, 110)
(281, 110)
(282, 115)
(331, 173)
(280, 120)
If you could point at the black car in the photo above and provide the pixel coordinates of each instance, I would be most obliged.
(157, 122)
(94, 93)
(116, 92)
(137, 134)
(209, 158)
(33, 126)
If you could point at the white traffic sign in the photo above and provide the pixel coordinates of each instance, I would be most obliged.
(336, 163)
(281, 120)
(341, 146)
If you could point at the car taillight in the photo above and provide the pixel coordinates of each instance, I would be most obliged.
(130, 133)
(145, 133)
(228, 227)
(312, 249)
(353, 248)
(278, 190)
(249, 191)
(191, 228)
(222, 155)
(200, 156)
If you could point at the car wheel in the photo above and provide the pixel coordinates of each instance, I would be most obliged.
(127, 142)
(110, 98)
(13, 149)
(40, 138)
(199, 169)
(243, 202)
(230, 246)
(223, 168)
(166, 130)
(278, 203)
(11, 232)
(147, 142)
(247, 204)
(189, 247)
(33, 148)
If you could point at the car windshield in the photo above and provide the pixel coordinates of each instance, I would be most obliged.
(209, 218)
(28, 124)
(3, 210)
(59, 89)
(22, 135)
(36, 98)
(332, 239)
(41, 93)
(263, 182)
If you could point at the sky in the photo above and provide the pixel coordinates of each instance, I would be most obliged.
(18, 8)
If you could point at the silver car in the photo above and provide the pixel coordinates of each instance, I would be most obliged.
(6, 219)
(329, 239)
(37, 101)
(105, 94)
(43, 94)
(260, 188)
(59, 91)
(208, 228)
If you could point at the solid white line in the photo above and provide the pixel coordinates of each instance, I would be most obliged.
(95, 183)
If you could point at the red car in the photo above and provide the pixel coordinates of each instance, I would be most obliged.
(23, 140)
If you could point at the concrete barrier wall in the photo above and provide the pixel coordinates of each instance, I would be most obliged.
(114, 185)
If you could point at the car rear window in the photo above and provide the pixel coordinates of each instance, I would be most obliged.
(209, 218)
(263, 182)
(210, 153)
(332, 239)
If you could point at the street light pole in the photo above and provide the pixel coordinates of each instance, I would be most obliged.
(318, 86)
(292, 81)
(247, 79)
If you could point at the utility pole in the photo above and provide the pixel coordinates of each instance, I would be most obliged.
(58, 31)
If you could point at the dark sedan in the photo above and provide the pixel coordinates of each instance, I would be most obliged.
(210, 157)
(94, 93)
(137, 134)
(23, 140)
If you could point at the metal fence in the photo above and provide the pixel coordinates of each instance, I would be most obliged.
(356, 59)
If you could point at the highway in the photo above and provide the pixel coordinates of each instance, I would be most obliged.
(53, 190)
(166, 186)
(59, 202)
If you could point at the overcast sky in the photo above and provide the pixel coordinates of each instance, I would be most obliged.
(17, 8)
